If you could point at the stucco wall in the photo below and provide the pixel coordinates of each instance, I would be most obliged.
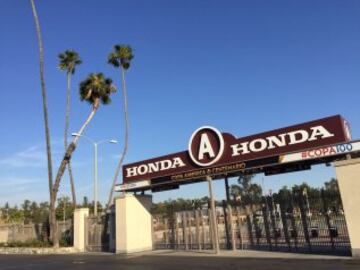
(348, 175)
(133, 223)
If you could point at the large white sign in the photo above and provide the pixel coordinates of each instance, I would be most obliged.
(332, 150)
(134, 185)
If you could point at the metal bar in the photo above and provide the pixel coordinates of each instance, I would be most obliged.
(226, 225)
(203, 229)
(239, 227)
(176, 230)
(250, 227)
(325, 208)
(166, 232)
(210, 225)
(258, 231)
(232, 232)
(197, 231)
(284, 222)
(266, 223)
(272, 219)
(190, 230)
(304, 221)
(293, 222)
(213, 217)
(184, 230)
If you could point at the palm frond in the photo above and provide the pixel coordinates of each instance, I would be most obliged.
(121, 56)
(96, 86)
(68, 60)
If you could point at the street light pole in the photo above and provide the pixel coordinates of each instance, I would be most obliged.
(95, 144)
(95, 177)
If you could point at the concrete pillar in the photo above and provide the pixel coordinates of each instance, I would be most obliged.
(348, 175)
(133, 223)
(80, 216)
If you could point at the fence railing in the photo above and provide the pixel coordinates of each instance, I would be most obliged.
(298, 224)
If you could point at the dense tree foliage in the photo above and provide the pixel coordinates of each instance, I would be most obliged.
(33, 212)
(246, 193)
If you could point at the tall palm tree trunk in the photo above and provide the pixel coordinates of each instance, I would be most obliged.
(65, 161)
(126, 138)
(66, 133)
(45, 107)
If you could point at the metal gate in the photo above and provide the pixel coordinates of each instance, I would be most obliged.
(293, 222)
(96, 234)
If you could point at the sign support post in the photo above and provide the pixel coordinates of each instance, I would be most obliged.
(213, 218)
(227, 189)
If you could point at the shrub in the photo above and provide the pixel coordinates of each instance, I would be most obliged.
(29, 243)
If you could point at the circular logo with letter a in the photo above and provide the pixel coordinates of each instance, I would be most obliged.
(206, 146)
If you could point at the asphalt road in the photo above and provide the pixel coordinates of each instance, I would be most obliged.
(104, 262)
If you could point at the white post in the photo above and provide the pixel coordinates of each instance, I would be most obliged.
(80, 216)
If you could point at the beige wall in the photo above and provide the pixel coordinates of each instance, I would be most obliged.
(133, 223)
(348, 175)
(27, 232)
(80, 216)
(4, 234)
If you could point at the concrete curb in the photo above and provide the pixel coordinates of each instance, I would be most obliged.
(39, 251)
(249, 254)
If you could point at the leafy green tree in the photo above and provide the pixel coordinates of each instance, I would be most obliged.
(235, 192)
(44, 102)
(5, 212)
(332, 186)
(170, 206)
(246, 192)
(100, 207)
(16, 215)
(121, 58)
(68, 62)
(36, 216)
(311, 196)
(95, 89)
(285, 198)
(26, 210)
(30, 212)
(332, 195)
(64, 209)
(85, 202)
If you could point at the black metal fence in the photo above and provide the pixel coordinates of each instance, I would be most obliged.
(292, 222)
(97, 234)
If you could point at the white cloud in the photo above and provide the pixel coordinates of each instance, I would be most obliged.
(31, 157)
(13, 182)
(35, 156)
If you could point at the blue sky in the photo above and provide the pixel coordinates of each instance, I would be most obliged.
(241, 66)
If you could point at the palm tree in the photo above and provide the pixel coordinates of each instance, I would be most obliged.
(121, 58)
(44, 101)
(68, 61)
(95, 89)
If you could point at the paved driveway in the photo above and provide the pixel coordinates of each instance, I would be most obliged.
(176, 261)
